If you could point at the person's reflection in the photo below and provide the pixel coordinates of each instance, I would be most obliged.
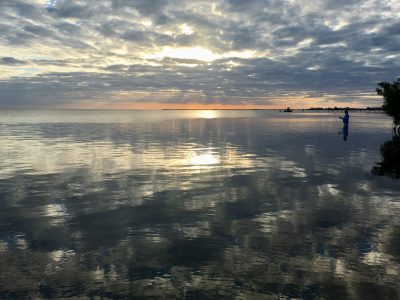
(390, 163)
(345, 131)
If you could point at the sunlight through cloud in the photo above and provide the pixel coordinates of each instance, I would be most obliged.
(197, 53)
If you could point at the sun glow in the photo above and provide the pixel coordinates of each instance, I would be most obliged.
(199, 53)
(186, 29)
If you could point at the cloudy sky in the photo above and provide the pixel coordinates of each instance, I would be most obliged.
(170, 53)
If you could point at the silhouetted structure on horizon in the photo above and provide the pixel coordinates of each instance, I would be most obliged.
(367, 109)
(288, 109)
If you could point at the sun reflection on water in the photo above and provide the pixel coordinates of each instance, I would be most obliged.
(204, 159)
(207, 114)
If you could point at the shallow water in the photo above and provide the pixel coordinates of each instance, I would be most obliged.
(197, 205)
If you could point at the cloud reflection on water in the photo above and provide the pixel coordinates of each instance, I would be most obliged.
(206, 207)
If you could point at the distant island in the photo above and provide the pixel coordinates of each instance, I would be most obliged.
(371, 109)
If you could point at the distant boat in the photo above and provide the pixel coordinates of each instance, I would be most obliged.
(288, 109)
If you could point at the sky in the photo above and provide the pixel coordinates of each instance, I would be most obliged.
(154, 54)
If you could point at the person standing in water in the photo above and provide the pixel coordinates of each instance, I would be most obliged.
(346, 119)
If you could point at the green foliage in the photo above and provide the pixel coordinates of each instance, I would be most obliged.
(391, 96)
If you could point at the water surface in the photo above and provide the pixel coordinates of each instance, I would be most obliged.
(197, 205)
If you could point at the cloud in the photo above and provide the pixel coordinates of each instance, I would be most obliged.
(223, 51)
(392, 29)
(11, 61)
(37, 30)
(69, 9)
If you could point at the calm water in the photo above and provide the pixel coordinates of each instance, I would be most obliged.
(198, 205)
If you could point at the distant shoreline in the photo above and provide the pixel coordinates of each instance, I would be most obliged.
(368, 109)
(373, 109)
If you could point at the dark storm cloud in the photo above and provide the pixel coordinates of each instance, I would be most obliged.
(155, 8)
(144, 6)
(70, 9)
(11, 61)
(68, 28)
(37, 30)
(393, 29)
(147, 37)
(302, 48)
(22, 8)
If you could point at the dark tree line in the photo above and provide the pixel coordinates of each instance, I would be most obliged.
(390, 150)
(391, 97)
